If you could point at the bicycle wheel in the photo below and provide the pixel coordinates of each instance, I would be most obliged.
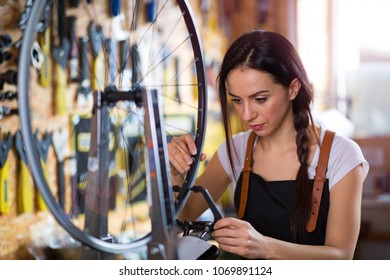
(123, 50)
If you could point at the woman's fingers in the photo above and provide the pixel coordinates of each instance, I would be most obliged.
(203, 157)
(239, 237)
(181, 152)
(228, 222)
(230, 231)
(180, 156)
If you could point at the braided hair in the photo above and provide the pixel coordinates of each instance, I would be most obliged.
(272, 53)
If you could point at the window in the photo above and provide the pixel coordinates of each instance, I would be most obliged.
(345, 47)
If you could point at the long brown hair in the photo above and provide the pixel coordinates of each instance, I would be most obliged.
(272, 53)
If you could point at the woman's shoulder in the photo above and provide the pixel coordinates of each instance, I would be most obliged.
(238, 142)
(342, 144)
(345, 154)
(241, 137)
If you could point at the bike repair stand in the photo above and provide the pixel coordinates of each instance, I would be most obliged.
(162, 245)
(158, 181)
(97, 189)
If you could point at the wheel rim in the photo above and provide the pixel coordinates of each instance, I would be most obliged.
(28, 127)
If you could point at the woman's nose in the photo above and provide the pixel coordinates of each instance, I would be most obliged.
(248, 113)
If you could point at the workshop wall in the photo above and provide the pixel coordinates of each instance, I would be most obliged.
(16, 224)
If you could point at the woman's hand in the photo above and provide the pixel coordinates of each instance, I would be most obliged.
(181, 152)
(240, 238)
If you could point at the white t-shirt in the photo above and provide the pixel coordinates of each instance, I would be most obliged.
(345, 155)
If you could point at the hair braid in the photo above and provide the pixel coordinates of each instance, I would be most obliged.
(301, 201)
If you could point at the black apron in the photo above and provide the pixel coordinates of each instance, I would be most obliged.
(268, 209)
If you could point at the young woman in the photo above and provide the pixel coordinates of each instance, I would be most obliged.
(263, 78)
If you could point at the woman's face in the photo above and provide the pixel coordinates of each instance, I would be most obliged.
(261, 103)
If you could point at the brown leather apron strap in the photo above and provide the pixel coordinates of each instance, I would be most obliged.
(245, 175)
(319, 180)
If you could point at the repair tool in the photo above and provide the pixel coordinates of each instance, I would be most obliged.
(61, 55)
(42, 53)
(110, 45)
(6, 111)
(7, 95)
(125, 70)
(25, 190)
(117, 21)
(59, 141)
(8, 77)
(43, 146)
(5, 146)
(96, 38)
(5, 42)
(150, 8)
(82, 142)
(25, 14)
(84, 92)
(74, 3)
(4, 56)
(74, 51)
(82, 139)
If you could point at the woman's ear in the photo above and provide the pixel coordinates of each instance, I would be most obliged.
(294, 88)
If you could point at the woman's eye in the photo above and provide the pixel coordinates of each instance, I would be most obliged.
(260, 99)
(236, 100)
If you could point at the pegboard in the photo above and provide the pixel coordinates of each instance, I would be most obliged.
(14, 226)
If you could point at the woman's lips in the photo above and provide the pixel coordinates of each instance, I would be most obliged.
(257, 127)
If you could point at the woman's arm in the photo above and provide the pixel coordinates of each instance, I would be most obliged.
(343, 227)
(213, 178)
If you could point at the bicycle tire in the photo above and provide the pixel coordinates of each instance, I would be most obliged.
(27, 115)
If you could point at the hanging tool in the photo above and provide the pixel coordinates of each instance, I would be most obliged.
(136, 77)
(37, 59)
(150, 10)
(82, 140)
(74, 3)
(5, 146)
(41, 51)
(59, 141)
(6, 111)
(9, 77)
(84, 92)
(5, 56)
(5, 42)
(96, 38)
(74, 51)
(61, 55)
(43, 146)
(111, 53)
(25, 15)
(125, 70)
(8, 95)
(117, 21)
(122, 36)
(25, 195)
